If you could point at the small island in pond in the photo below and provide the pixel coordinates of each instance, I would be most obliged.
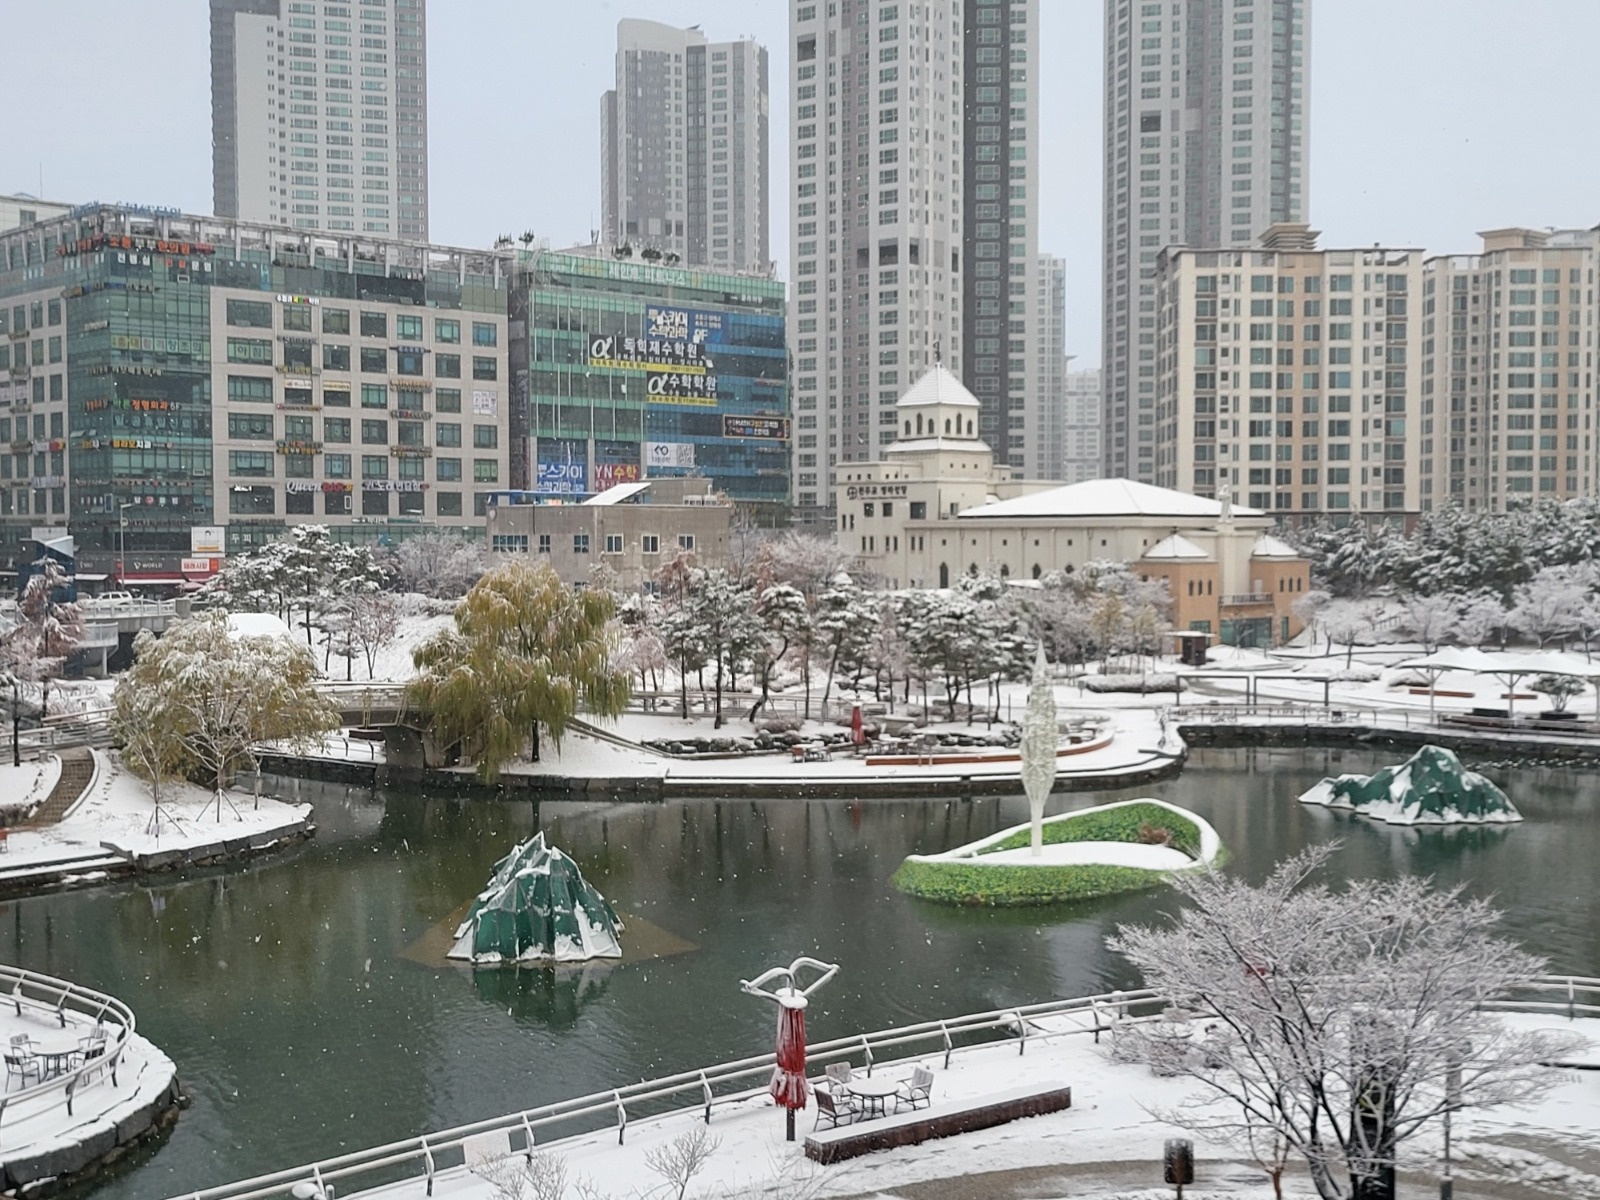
(1120, 847)
(1429, 788)
(538, 908)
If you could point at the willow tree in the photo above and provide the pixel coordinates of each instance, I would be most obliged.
(526, 651)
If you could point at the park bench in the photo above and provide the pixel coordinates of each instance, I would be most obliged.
(938, 1120)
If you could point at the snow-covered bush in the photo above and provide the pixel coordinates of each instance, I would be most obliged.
(1132, 683)
(1560, 689)
(1354, 675)
(416, 604)
(780, 725)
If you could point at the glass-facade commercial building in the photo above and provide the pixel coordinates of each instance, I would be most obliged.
(621, 370)
(161, 372)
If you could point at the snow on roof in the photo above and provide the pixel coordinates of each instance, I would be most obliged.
(1176, 546)
(921, 445)
(242, 625)
(619, 493)
(938, 386)
(1268, 546)
(1108, 498)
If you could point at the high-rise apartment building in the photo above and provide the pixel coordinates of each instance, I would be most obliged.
(1000, 214)
(683, 148)
(1084, 425)
(1206, 146)
(1047, 346)
(1292, 377)
(319, 114)
(1508, 391)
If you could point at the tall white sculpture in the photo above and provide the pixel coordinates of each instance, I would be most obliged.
(1039, 742)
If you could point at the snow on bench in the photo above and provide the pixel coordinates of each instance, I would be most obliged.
(941, 1120)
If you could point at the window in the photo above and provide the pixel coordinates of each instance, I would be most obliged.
(374, 466)
(374, 395)
(686, 541)
(447, 470)
(250, 462)
(297, 318)
(447, 400)
(374, 433)
(449, 504)
(336, 504)
(374, 324)
(509, 543)
(447, 433)
(650, 543)
(580, 543)
(447, 366)
(335, 357)
(250, 426)
(252, 501)
(249, 350)
(336, 466)
(374, 360)
(336, 320)
(485, 368)
(485, 470)
(374, 504)
(250, 389)
(334, 396)
(446, 331)
(298, 429)
(336, 429)
(484, 334)
(485, 437)
(544, 543)
(613, 543)
(300, 504)
(408, 361)
(251, 314)
(408, 328)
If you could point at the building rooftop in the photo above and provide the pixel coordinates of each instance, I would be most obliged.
(1175, 547)
(1268, 546)
(1107, 498)
(916, 445)
(937, 386)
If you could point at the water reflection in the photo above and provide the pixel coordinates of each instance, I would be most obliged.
(304, 1024)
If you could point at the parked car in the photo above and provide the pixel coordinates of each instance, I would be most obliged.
(115, 599)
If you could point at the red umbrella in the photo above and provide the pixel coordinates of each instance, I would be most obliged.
(857, 734)
(789, 1077)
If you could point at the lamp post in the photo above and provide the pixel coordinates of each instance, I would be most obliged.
(122, 544)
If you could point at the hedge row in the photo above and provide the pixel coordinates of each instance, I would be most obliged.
(1113, 825)
(960, 883)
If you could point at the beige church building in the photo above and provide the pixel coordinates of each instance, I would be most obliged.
(938, 505)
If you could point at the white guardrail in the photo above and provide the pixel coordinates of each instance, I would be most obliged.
(56, 999)
(425, 1157)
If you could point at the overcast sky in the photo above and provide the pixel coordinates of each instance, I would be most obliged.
(1431, 119)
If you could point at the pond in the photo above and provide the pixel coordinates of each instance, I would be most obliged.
(306, 1020)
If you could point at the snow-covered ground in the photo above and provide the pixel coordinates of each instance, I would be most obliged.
(115, 817)
(1109, 1129)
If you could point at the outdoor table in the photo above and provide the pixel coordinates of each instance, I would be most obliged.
(57, 1050)
(872, 1093)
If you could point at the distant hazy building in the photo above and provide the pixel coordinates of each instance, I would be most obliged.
(1205, 145)
(684, 147)
(1508, 394)
(22, 209)
(1293, 377)
(1047, 407)
(1000, 221)
(1083, 421)
(319, 115)
(877, 102)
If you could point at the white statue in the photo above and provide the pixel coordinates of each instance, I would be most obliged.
(1039, 742)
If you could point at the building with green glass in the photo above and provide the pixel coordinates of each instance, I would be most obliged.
(623, 369)
(162, 373)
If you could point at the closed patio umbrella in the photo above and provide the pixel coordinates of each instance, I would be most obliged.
(789, 1077)
(857, 733)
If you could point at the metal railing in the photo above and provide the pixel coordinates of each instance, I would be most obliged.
(420, 1157)
(1311, 714)
(703, 1089)
(53, 999)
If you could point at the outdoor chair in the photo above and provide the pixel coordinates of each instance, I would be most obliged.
(839, 1075)
(21, 1062)
(834, 1110)
(93, 1044)
(917, 1092)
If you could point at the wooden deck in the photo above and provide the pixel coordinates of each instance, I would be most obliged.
(941, 1120)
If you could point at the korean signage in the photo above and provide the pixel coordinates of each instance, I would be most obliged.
(669, 454)
(628, 353)
(102, 241)
(609, 475)
(485, 404)
(869, 490)
(683, 325)
(776, 428)
(681, 387)
(198, 566)
(205, 540)
(303, 485)
(393, 485)
(564, 477)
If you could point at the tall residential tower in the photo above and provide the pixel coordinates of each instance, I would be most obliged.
(683, 147)
(1205, 146)
(319, 114)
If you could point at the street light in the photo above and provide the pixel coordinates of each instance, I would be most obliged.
(122, 544)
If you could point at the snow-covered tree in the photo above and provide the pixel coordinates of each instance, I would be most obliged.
(439, 564)
(1548, 607)
(1479, 617)
(219, 697)
(1343, 1022)
(306, 571)
(843, 628)
(1309, 609)
(781, 608)
(724, 622)
(366, 622)
(49, 628)
(1429, 619)
(525, 652)
(1560, 689)
(1346, 622)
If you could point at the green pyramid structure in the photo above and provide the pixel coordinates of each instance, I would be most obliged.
(1429, 788)
(538, 908)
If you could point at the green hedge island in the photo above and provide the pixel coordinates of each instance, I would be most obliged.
(961, 876)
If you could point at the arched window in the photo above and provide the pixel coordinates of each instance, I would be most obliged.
(919, 422)
(969, 426)
(947, 424)
(944, 575)
(1037, 570)
(1005, 571)
(908, 428)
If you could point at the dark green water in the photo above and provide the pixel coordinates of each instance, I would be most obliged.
(301, 1030)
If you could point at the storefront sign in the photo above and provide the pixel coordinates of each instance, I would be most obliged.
(776, 428)
(393, 485)
(609, 475)
(485, 404)
(867, 491)
(669, 454)
(103, 241)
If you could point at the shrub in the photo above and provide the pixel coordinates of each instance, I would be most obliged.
(1154, 835)
(780, 725)
(1006, 886)
(1125, 824)
(1132, 683)
(1354, 675)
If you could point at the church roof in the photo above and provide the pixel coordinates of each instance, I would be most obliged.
(1268, 546)
(1176, 546)
(922, 445)
(938, 386)
(1108, 498)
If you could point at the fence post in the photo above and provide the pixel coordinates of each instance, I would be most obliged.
(1022, 1032)
(427, 1161)
(527, 1130)
(867, 1047)
(705, 1090)
(622, 1116)
(948, 1045)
